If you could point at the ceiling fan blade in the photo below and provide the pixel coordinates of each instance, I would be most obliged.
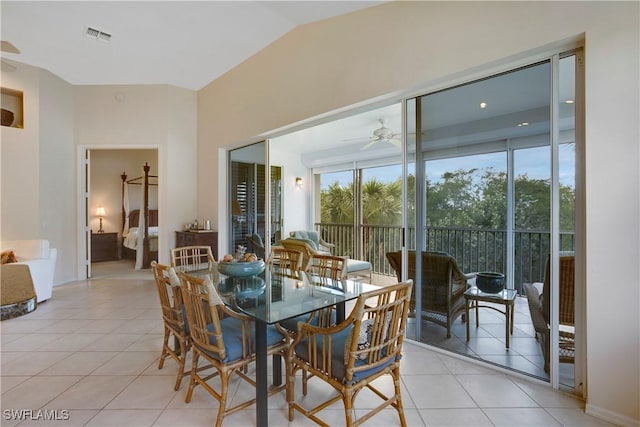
(7, 67)
(360, 139)
(369, 144)
(395, 142)
(6, 46)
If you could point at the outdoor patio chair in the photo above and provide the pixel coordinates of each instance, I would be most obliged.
(255, 245)
(540, 308)
(442, 283)
(356, 269)
(350, 356)
(314, 239)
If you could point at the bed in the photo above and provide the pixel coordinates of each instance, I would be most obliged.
(131, 235)
(140, 225)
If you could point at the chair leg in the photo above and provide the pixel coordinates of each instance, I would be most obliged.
(290, 372)
(224, 391)
(304, 382)
(194, 371)
(396, 385)
(165, 344)
(182, 357)
(347, 399)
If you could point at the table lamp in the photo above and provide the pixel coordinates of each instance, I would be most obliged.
(101, 213)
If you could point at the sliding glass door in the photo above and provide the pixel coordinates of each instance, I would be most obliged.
(495, 191)
(483, 175)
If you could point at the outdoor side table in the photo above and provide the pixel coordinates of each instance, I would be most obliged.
(507, 297)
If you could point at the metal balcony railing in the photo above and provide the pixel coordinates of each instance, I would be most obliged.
(474, 249)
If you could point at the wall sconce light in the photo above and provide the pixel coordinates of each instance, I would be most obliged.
(101, 213)
(298, 182)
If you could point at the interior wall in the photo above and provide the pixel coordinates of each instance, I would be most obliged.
(400, 47)
(38, 177)
(21, 160)
(57, 159)
(296, 208)
(148, 117)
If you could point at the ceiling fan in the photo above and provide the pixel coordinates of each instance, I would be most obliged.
(383, 134)
(8, 47)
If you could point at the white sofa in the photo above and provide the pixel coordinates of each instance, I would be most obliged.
(41, 260)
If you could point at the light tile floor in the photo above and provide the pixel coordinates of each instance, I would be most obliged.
(93, 350)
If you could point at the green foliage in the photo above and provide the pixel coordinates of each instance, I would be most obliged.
(463, 198)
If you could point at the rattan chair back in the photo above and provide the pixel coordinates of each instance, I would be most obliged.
(329, 266)
(173, 320)
(376, 328)
(190, 259)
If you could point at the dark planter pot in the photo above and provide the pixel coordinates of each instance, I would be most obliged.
(489, 282)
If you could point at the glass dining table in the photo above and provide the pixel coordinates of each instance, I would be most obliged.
(279, 294)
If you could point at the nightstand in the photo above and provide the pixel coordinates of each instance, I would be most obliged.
(104, 247)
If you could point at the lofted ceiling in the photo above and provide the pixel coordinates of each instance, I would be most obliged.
(191, 43)
(180, 43)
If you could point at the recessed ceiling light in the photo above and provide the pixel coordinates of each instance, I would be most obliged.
(523, 124)
(569, 101)
(483, 105)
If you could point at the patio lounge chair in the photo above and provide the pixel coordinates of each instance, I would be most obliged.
(443, 285)
(540, 308)
(356, 269)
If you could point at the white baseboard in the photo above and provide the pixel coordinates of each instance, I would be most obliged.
(612, 417)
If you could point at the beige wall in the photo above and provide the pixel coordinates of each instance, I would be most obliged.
(401, 46)
(157, 117)
(41, 163)
(38, 174)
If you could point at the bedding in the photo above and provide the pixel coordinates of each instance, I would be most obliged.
(130, 238)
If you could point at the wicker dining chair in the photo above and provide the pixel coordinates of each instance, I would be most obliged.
(189, 259)
(323, 266)
(284, 258)
(225, 339)
(330, 266)
(351, 355)
(173, 318)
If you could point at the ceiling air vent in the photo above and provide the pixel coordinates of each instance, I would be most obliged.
(97, 34)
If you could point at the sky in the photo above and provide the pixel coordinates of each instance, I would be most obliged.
(534, 162)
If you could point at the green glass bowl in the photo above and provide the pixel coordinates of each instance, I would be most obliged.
(241, 269)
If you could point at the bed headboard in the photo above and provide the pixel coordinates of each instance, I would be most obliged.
(134, 217)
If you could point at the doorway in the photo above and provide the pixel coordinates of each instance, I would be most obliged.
(109, 241)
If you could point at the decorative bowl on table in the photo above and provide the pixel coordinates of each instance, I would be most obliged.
(489, 282)
(241, 268)
(242, 287)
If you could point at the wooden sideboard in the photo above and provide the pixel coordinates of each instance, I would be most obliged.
(198, 238)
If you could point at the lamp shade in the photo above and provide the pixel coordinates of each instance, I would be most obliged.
(100, 212)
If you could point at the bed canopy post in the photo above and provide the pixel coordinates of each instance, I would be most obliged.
(146, 262)
(124, 213)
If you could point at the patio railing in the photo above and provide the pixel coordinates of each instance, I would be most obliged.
(474, 249)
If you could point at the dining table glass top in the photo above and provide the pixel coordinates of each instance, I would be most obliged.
(278, 294)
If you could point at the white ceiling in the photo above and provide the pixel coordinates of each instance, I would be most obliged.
(189, 44)
(185, 44)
